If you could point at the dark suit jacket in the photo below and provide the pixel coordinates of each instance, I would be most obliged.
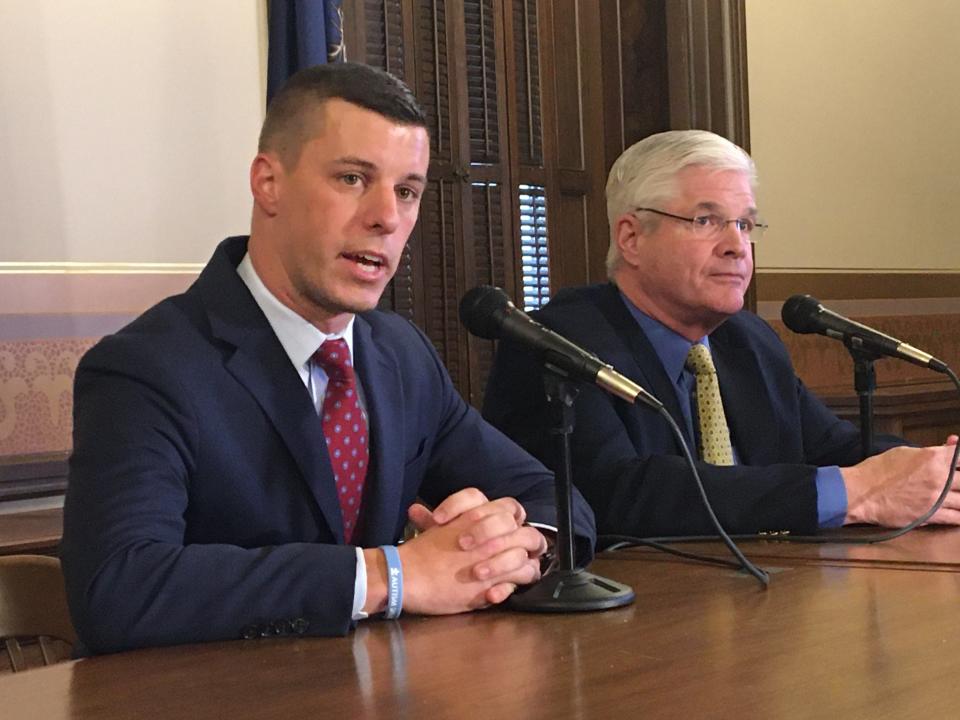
(626, 461)
(201, 503)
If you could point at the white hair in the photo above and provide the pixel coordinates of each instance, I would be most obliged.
(645, 175)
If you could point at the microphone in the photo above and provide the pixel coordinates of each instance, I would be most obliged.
(804, 314)
(487, 312)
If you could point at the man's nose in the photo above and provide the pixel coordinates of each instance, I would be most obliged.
(733, 240)
(381, 210)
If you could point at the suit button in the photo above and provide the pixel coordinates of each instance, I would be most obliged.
(280, 627)
(249, 632)
(299, 626)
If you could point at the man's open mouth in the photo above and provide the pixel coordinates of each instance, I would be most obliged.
(371, 261)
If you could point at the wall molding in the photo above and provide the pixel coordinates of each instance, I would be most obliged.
(24, 477)
(873, 307)
(84, 292)
(101, 268)
(857, 285)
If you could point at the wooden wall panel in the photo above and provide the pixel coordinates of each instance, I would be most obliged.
(918, 308)
(706, 61)
(643, 69)
(567, 85)
(822, 362)
(570, 256)
(778, 286)
(583, 126)
(910, 401)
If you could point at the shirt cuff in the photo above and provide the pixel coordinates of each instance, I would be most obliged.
(360, 587)
(831, 497)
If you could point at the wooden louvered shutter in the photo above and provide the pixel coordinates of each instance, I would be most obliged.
(445, 204)
(526, 55)
(491, 257)
(525, 115)
(531, 191)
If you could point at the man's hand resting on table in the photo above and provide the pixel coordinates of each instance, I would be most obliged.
(471, 552)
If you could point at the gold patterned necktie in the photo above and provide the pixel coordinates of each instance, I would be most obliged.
(715, 445)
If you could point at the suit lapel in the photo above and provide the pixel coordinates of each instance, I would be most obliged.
(750, 415)
(648, 369)
(260, 364)
(382, 384)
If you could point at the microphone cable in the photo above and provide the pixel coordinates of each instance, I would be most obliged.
(664, 543)
(742, 561)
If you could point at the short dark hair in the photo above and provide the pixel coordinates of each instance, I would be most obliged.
(287, 125)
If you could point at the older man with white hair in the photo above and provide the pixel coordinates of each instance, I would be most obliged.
(682, 212)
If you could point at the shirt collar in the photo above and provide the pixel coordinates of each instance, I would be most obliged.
(299, 338)
(672, 349)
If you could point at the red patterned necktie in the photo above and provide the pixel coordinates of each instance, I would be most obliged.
(345, 430)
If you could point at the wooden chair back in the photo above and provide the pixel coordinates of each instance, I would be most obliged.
(33, 608)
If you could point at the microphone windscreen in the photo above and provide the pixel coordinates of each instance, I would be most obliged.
(481, 311)
(799, 313)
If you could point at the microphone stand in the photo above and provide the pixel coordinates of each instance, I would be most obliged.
(864, 382)
(568, 588)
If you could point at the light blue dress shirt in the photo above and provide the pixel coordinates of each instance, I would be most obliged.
(672, 350)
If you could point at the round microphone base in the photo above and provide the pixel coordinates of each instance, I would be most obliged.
(572, 591)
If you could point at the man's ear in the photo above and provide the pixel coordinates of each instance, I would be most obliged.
(628, 234)
(266, 173)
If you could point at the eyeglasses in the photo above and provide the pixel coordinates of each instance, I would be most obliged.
(706, 226)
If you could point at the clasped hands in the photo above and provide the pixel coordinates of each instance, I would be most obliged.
(470, 552)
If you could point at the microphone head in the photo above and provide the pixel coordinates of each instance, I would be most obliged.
(800, 312)
(482, 311)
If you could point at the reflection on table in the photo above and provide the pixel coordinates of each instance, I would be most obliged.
(827, 639)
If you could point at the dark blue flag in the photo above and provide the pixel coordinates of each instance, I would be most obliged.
(301, 33)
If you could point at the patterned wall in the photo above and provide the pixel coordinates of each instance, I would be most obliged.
(36, 394)
(48, 320)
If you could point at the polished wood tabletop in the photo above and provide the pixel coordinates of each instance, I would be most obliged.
(931, 548)
(825, 640)
(34, 531)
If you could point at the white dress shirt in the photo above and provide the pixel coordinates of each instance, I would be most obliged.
(300, 340)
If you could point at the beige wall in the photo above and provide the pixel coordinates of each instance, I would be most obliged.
(126, 127)
(855, 127)
(126, 132)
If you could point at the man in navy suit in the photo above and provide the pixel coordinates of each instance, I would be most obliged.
(681, 209)
(203, 502)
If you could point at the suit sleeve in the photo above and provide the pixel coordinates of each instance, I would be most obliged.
(467, 451)
(132, 579)
(629, 467)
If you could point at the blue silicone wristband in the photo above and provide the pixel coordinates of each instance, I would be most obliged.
(394, 582)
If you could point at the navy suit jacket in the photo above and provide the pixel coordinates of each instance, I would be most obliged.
(201, 503)
(627, 462)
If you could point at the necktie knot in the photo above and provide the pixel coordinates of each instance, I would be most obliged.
(334, 357)
(699, 360)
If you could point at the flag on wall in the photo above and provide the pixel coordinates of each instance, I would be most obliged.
(301, 33)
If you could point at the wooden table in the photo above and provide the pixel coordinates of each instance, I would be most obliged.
(929, 548)
(827, 639)
(33, 532)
